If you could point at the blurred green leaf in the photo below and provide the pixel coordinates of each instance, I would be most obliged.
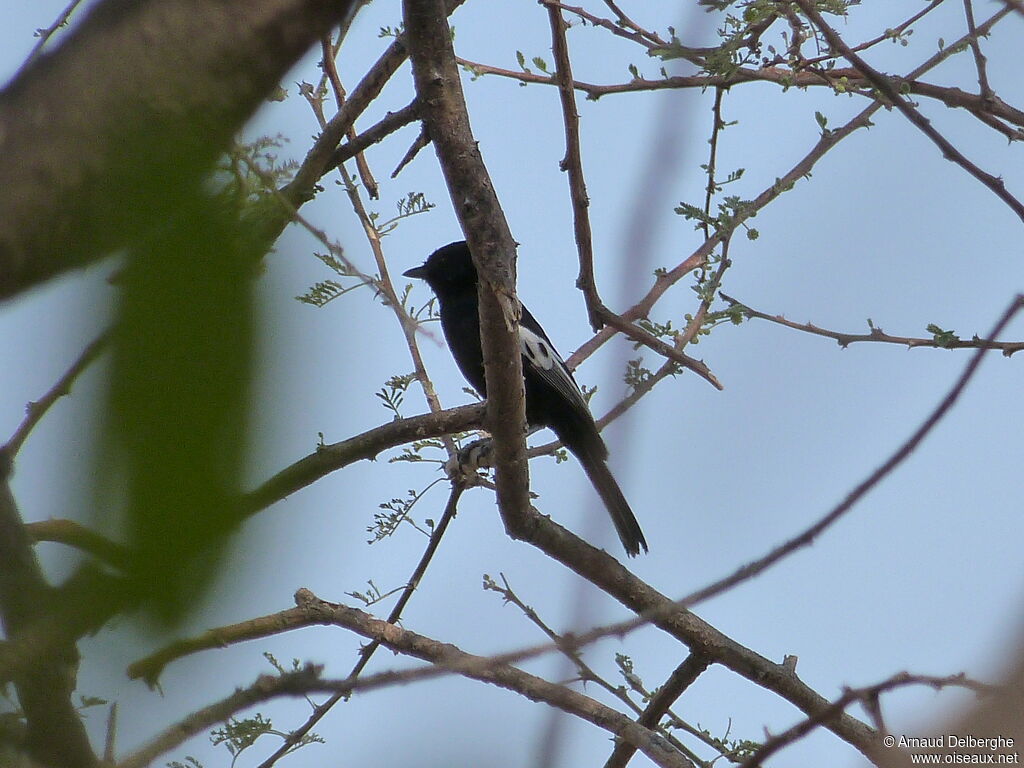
(177, 416)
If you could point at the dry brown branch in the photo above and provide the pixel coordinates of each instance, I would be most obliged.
(38, 408)
(388, 125)
(868, 696)
(76, 535)
(383, 284)
(55, 735)
(445, 657)
(329, 52)
(443, 109)
(891, 32)
(586, 673)
(422, 141)
(803, 167)
(639, 335)
(329, 458)
(366, 652)
(682, 677)
(984, 89)
(572, 164)
(321, 158)
(986, 106)
(849, 79)
(265, 688)
(885, 87)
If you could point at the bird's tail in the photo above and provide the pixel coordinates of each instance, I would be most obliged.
(625, 521)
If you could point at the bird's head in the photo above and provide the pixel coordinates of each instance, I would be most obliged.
(448, 270)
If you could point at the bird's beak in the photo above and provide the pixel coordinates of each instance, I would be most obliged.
(420, 272)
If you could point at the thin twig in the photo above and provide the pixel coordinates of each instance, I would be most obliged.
(383, 283)
(890, 33)
(647, 339)
(444, 657)
(682, 677)
(986, 110)
(378, 132)
(876, 334)
(110, 741)
(886, 88)
(627, 30)
(422, 141)
(654, 37)
(74, 534)
(265, 688)
(712, 187)
(802, 169)
(868, 696)
(46, 34)
(587, 674)
(329, 53)
(367, 651)
(979, 58)
(37, 409)
(315, 164)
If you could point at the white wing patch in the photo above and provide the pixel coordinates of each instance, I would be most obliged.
(545, 361)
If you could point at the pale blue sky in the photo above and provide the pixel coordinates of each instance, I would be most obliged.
(924, 575)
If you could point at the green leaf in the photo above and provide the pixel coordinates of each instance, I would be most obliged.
(176, 421)
(942, 337)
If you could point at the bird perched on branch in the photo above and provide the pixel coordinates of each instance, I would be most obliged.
(553, 399)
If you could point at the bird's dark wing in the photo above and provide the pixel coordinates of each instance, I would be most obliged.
(545, 361)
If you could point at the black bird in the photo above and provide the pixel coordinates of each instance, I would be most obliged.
(553, 399)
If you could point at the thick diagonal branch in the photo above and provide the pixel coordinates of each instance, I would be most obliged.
(103, 137)
(443, 110)
(54, 733)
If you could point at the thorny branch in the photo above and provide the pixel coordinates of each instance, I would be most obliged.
(876, 334)
(604, 572)
(885, 87)
(45, 34)
(365, 654)
(586, 673)
(38, 408)
(985, 104)
(384, 283)
(310, 610)
(869, 696)
(572, 164)
(991, 110)
(660, 704)
(800, 170)
(446, 120)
